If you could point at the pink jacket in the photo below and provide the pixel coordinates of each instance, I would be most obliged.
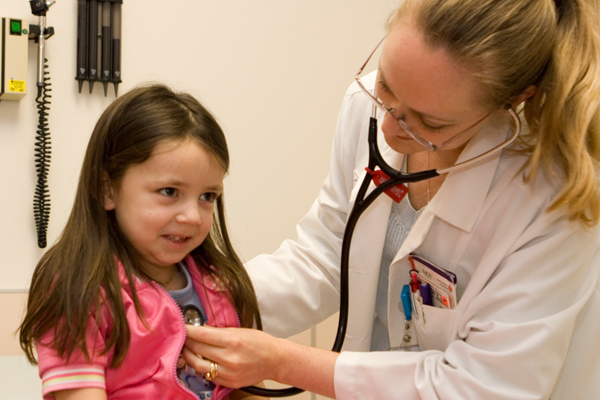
(149, 368)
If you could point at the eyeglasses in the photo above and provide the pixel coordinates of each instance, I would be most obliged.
(401, 119)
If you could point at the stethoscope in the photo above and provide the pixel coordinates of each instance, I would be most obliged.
(361, 203)
(193, 316)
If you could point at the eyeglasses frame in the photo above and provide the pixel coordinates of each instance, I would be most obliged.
(516, 132)
(418, 138)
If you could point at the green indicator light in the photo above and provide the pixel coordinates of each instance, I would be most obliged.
(15, 27)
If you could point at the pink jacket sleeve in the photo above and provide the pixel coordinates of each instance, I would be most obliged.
(58, 373)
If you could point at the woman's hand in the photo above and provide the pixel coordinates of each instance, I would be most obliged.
(247, 356)
(243, 356)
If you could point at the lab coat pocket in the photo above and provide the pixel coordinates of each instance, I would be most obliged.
(435, 328)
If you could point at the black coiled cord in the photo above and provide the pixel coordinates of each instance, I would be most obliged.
(41, 199)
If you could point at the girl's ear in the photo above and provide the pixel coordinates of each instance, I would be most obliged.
(108, 194)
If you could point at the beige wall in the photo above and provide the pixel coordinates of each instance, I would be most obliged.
(12, 306)
(273, 73)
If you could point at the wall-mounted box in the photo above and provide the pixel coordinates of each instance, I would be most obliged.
(14, 43)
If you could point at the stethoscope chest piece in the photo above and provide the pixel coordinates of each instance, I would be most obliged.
(192, 315)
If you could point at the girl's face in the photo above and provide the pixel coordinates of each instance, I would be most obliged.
(164, 206)
(436, 95)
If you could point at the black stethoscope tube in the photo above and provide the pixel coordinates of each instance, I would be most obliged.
(360, 205)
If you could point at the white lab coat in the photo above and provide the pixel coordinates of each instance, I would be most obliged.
(527, 325)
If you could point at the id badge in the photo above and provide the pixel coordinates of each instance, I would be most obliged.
(440, 282)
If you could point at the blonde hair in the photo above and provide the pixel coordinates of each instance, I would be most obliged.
(509, 45)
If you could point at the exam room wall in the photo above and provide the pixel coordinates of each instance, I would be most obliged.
(273, 73)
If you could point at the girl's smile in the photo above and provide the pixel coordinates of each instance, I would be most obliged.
(164, 206)
(176, 241)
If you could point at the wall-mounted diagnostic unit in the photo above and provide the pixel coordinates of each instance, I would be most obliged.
(13, 58)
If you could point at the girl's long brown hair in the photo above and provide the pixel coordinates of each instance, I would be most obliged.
(79, 275)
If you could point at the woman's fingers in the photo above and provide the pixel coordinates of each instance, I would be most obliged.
(198, 363)
(203, 354)
(208, 334)
(243, 356)
(199, 337)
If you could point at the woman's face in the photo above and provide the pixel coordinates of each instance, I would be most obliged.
(435, 94)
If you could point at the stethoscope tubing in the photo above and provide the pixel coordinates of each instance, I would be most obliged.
(362, 202)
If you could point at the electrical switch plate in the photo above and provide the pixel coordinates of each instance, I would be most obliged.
(14, 41)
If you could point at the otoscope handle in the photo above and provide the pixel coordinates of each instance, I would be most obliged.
(41, 50)
(39, 8)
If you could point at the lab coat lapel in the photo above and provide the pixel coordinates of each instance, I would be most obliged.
(365, 259)
(463, 193)
(458, 203)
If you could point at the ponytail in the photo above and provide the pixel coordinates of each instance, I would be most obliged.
(564, 114)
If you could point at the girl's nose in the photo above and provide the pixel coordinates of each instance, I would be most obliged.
(190, 214)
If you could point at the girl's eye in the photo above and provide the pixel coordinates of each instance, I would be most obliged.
(169, 192)
(210, 197)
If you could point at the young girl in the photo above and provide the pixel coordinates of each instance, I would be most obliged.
(105, 304)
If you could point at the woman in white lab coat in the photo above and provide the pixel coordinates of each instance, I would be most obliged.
(519, 229)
